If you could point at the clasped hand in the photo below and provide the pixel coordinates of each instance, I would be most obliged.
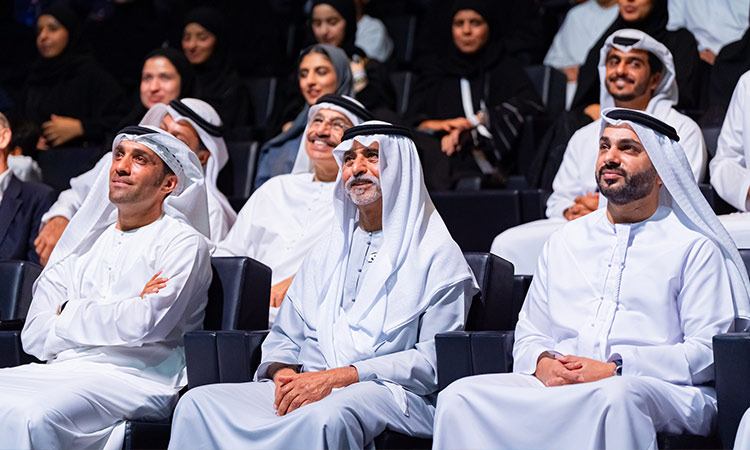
(571, 369)
(294, 390)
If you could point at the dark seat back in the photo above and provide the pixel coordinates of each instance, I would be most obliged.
(491, 309)
(474, 218)
(402, 29)
(711, 136)
(550, 84)
(263, 98)
(61, 164)
(16, 281)
(239, 295)
(402, 82)
(236, 178)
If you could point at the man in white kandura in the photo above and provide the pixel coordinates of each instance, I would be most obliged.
(636, 72)
(288, 214)
(620, 316)
(352, 350)
(730, 174)
(127, 280)
(190, 120)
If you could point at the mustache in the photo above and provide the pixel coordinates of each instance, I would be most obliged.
(614, 78)
(361, 179)
(315, 137)
(612, 167)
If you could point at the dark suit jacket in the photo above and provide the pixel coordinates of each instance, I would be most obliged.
(20, 215)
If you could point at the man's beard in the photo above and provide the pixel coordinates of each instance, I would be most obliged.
(638, 89)
(358, 196)
(635, 187)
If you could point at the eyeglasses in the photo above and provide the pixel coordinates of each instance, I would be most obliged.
(335, 124)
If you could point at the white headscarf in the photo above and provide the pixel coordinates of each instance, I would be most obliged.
(186, 203)
(303, 164)
(682, 194)
(666, 94)
(207, 123)
(417, 260)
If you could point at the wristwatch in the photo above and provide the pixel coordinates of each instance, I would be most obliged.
(618, 367)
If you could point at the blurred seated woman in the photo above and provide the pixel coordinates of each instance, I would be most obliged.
(73, 100)
(322, 69)
(470, 103)
(166, 75)
(205, 46)
(334, 22)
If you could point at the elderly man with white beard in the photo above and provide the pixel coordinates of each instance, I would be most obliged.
(127, 280)
(352, 350)
(614, 340)
(289, 213)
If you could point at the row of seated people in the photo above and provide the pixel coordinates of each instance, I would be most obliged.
(352, 350)
(204, 45)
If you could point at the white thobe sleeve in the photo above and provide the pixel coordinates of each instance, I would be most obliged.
(70, 200)
(127, 322)
(285, 339)
(692, 142)
(705, 309)
(415, 369)
(567, 186)
(730, 175)
(532, 337)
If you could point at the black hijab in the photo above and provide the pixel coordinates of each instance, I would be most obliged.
(732, 61)
(346, 9)
(213, 74)
(183, 66)
(71, 60)
(463, 65)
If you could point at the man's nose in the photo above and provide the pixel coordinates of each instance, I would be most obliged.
(359, 166)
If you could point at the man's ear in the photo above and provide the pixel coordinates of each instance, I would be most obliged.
(655, 80)
(5, 135)
(169, 184)
(203, 156)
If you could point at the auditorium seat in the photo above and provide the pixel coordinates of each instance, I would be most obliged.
(474, 218)
(711, 136)
(16, 281)
(718, 205)
(236, 178)
(402, 82)
(263, 93)
(402, 30)
(233, 356)
(238, 299)
(59, 165)
(550, 84)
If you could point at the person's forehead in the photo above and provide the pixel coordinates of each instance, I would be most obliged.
(48, 19)
(633, 53)
(619, 132)
(138, 147)
(325, 11)
(331, 114)
(159, 64)
(357, 145)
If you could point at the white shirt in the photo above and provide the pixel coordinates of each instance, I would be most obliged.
(730, 175)
(372, 37)
(25, 168)
(362, 254)
(105, 320)
(4, 182)
(714, 23)
(281, 222)
(576, 175)
(652, 293)
(70, 200)
(581, 29)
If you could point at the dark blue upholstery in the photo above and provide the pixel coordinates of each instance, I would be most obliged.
(16, 281)
(236, 178)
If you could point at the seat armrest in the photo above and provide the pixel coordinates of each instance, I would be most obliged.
(732, 365)
(12, 324)
(11, 350)
(222, 356)
(465, 353)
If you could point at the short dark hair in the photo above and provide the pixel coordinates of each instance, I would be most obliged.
(25, 135)
(655, 64)
(165, 170)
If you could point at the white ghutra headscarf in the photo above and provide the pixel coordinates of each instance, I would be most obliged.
(666, 94)
(348, 106)
(417, 260)
(681, 193)
(207, 123)
(186, 203)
